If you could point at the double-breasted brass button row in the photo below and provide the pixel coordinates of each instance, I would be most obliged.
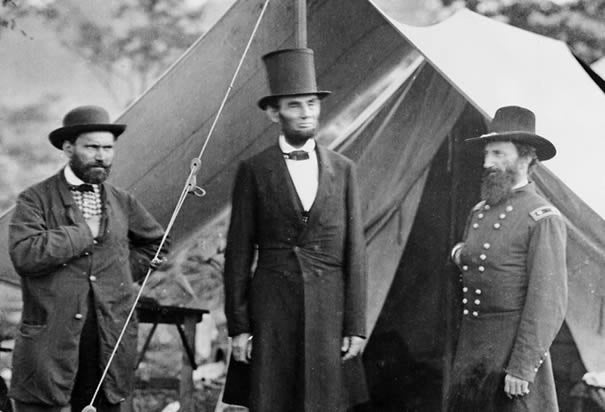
(476, 302)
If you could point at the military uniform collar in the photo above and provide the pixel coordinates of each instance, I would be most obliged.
(529, 187)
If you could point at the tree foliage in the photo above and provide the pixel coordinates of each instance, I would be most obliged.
(25, 153)
(579, 23)
(129, 47)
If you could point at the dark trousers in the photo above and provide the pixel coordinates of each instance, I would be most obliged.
(89, 368)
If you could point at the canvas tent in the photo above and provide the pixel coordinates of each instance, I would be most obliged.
(404, 99)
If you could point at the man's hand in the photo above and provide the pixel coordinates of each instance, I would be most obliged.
(455, 253)
(241, 347)
(351, 347)
(515, 386)
(94, 224)
(155, 263)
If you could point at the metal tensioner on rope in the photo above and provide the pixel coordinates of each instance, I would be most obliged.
(192, 186)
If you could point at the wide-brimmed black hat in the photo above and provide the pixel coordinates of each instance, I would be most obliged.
(516, 124)
(291, 72)
(84, 119)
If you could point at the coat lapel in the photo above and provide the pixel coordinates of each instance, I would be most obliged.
(286, 195)
(72, 212)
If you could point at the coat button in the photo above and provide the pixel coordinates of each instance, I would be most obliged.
(464, 268)
(482, 256)
(509, 208)
(497, 225)
(95, 241)
(475, 314)
(502, 216)
(477, 291)
(486, 246)
(465, 312)
(465, 300)
(465, 289)
(486, 207)
(481, 268)
(480, 215)
(78, 316)
(296, 249)
(477, 301)
(92, 278)
(475, 225)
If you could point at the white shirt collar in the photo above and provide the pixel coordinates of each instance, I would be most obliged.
(286, 147)
(71, 177)
(520, 185)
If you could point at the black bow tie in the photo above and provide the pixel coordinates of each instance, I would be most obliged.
(85, 187)
(296, 155)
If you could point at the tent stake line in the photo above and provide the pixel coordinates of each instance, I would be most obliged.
(189, 187)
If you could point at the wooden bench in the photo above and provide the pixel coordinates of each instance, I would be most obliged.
(185, 320)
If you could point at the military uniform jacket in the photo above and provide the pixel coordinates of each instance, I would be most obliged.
(514, 298)
(59, 262)
(318, 264)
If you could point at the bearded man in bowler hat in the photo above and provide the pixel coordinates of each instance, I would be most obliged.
(513, 276)
(299, 319)
(78, 244)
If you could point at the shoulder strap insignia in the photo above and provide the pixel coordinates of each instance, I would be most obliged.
(544, 211)
(478, 206)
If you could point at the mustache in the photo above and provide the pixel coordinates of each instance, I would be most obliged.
(491, 171)
(98, 164)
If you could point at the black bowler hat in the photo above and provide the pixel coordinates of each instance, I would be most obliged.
(516, 124)
(81, 120)
(291, 72)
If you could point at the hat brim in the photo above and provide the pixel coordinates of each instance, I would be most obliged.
(266, 101)
(60, 135)
(544, 148)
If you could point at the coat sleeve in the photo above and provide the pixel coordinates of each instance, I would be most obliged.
(145, 235)
(239, 253)
(355, 264)
(546, 300)
(36, 250)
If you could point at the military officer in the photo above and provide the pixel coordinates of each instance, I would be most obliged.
(514, 277)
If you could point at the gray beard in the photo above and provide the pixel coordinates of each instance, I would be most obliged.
(497, 186)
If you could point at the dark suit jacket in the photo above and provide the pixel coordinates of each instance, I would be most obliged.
(60, 263)
(326, 254)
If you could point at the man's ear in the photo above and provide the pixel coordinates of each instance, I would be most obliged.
(272, 113)
(68, 148)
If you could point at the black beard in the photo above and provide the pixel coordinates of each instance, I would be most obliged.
(94, 173)
(497, 185)
(298, 138)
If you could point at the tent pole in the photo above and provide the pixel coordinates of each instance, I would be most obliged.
(301, 23)
(450, 282)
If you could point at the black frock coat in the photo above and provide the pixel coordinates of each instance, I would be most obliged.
(308, 289)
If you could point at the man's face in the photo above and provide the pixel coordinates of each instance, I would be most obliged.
(91, 155)
(503, 169)
(298, 116)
